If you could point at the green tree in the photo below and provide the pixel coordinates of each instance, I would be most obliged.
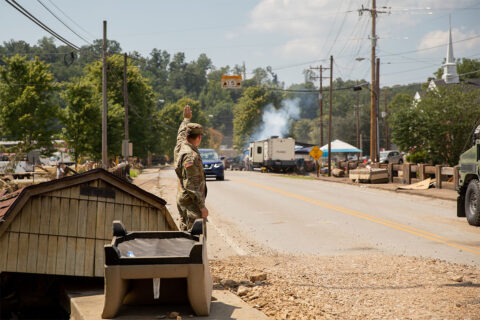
(82, 118)
(141, 102)
(169, 119)
(464, 65)
(301, 130)
(440, 125)
(27, 112)
(406, 123)
(248, 112)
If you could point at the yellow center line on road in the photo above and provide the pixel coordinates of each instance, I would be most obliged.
(385, 222)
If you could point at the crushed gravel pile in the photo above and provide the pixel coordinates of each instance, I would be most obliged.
(352, 287)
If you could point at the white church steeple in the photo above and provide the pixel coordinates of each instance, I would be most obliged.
(450, 67)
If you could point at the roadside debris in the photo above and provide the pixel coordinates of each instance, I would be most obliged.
(422, 185)
(353, 286)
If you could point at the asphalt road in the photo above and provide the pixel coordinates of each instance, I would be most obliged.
(300, 216)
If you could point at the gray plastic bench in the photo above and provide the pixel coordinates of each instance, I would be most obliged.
(157, 255)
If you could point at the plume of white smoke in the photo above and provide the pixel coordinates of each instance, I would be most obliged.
(276, 122)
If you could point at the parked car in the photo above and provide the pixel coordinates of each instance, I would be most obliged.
(391, 156)
(227, 162)
(212, 164)
(237, 163)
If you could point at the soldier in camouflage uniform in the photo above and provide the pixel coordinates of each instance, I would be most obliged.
(189, 169)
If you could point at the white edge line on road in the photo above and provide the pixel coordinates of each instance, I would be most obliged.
(227, 239)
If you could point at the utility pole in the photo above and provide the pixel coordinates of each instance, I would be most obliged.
(373, 143)
(104, 98)
(320, 97)
(377, 110)
(386, 120)
(357, 114)
(320, 102)
(125, 103)
(330, 121)
(373, 105)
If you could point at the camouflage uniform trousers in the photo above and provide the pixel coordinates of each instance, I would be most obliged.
(188, 215)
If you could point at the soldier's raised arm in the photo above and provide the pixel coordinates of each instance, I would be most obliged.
(182, 130)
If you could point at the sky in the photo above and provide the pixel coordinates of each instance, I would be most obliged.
(288, 35)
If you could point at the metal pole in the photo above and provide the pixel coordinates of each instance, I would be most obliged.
(373, 143)
(386, 121)
(104, 98)
(321, 106)
(125, 103)
(377, 109)
(330, 121)
(357, 113)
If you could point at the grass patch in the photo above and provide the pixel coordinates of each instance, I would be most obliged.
(134, 173)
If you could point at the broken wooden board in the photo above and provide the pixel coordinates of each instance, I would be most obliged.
(422, 185)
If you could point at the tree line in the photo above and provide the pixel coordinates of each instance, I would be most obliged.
(49, 92)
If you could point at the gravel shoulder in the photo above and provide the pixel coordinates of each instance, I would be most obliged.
(350, 286)
(353, 286)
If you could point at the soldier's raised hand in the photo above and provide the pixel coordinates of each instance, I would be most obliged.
(187, 112)
(204, 212)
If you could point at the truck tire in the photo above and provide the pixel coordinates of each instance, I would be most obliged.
(472, 203)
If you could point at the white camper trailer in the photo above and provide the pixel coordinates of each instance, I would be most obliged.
(255, 154)
(279, 154)
(275, 154)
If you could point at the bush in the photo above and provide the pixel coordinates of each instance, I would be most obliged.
(418, 157)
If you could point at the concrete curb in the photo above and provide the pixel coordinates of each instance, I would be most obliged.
(88, 305)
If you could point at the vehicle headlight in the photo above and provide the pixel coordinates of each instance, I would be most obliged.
(218, 165)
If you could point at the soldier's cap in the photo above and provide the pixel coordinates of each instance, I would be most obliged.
(194, 128)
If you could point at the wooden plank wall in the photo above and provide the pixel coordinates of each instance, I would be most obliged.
(63, 232)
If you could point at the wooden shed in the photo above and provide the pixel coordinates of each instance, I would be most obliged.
(59, 227)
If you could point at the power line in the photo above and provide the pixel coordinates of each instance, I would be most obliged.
(316, 90)
(31, 17)
(339, 30)
(429, 48)
(61, 21)
(86, 31)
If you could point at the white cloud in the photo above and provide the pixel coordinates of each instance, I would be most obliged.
(315, 29)
(323, 21)
(440, 38)
(309, 27)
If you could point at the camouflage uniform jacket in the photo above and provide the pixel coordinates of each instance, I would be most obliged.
(189, 170)
(181, 138)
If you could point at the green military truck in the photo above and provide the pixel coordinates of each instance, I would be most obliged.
(468, 201)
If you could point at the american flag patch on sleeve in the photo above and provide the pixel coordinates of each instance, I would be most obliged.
(188, 164)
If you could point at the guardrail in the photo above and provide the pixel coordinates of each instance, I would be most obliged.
(422, 171)
(411, 172)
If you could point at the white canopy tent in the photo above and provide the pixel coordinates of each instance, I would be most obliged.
(339, 146)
